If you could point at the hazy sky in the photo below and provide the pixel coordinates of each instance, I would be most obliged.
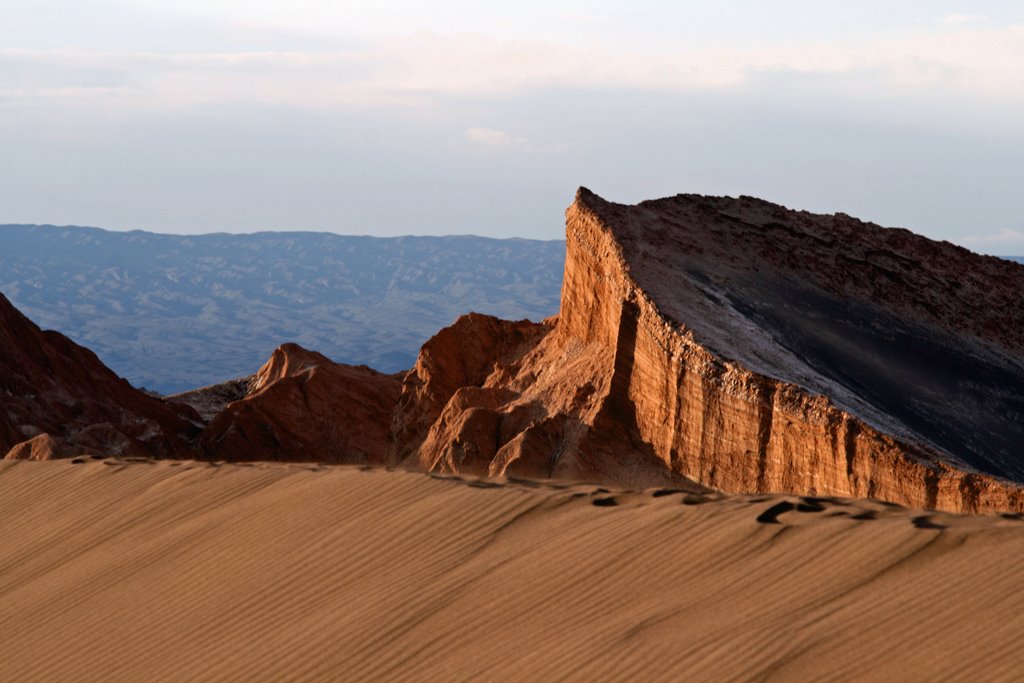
(390, 117)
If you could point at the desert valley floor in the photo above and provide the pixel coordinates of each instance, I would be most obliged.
(158, 570)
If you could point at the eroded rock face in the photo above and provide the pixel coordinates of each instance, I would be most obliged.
(498, 398)
(57, 399)
(745, 347)
(702, 342)
(793, 352)
(210, 400)
(303, 407)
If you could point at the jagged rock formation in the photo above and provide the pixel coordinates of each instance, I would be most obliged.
(300, 406)
(745, 347)
(702, 342)
(210, 400)
(498, 398)
(57, 400)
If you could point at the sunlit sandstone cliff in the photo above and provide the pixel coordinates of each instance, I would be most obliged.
(702, 342)
(744, 347)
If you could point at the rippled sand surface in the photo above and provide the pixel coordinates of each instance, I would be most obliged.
(149, 571)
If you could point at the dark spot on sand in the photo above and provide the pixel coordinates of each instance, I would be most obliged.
(483, 484)
(926, 522)
(771, 515)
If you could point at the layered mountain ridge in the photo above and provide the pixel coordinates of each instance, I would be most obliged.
(702, 342)
(746, 347)
(174, 312)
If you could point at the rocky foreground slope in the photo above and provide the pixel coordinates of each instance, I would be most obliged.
(702, 342)
(57, 399)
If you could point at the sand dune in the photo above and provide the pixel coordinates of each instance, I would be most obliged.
(115, 570)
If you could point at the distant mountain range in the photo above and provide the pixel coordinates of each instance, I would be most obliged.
(171, 312)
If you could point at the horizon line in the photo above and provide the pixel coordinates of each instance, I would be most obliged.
(272, 231)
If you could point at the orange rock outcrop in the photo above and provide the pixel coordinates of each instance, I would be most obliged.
(301, 406)
(740, 346)
(702, 343)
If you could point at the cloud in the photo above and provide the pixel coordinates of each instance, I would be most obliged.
(967, 60)
(975, 61)
(1005, 241)
(961, 19)
(494, 138)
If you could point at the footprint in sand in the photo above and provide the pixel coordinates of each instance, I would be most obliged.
(771, 515)
(695, 499)
(806, 505)
(484, 484)
(809, 505)
(926, 522)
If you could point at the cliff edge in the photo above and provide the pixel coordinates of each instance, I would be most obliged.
(702, 343)
(738, 345)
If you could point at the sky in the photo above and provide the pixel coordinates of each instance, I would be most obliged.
(393, 117)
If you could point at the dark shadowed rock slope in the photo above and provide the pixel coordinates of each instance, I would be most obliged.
(57, 399)
(922, 339)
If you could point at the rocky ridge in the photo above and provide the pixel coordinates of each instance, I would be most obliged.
(702, 343)
(746, 347)
(57, 399)
(301, 406)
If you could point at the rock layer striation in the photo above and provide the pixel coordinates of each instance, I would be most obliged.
(741, 346)
(702, 343)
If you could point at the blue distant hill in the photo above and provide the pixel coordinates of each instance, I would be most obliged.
(173, 312)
